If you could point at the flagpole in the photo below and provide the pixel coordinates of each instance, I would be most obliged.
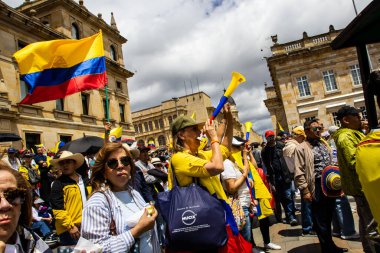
(107, 104)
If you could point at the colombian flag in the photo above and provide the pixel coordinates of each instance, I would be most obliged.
(58, 68)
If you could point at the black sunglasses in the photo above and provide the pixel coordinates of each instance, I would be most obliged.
(15, 196)
(316, 129)
(114, 163)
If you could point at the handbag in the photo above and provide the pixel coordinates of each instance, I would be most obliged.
(195, 219)
(237, 210)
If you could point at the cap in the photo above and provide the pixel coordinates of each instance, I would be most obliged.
(156, 160)
(238, 141)
(38, 201)
(269, 133)
(11, 150)
(181, 122)
(299, 131)
(346, 110)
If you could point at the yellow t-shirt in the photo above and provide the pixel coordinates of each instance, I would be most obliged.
(367, 168)
(188, 166)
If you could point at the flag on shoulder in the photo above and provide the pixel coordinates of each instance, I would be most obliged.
(58, 68)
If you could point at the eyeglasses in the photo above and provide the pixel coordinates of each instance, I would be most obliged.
(316, 129)
(158, 165)
(114, 163)
(14, 196)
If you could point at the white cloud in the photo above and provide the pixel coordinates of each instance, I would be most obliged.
(172, 41)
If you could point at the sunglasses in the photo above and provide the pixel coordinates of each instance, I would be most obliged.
(316, 129)
(15, 196)
(114, 163)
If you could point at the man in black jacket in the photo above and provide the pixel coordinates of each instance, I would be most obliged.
(279, 178)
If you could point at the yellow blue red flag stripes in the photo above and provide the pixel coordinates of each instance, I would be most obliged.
(58, 68)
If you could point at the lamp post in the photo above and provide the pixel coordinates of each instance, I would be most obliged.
(175, 102)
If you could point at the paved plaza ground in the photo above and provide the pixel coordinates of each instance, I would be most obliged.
(292, 241)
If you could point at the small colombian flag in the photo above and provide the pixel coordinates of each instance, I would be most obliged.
(58, 68)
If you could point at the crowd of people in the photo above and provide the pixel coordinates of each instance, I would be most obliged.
(112, 198)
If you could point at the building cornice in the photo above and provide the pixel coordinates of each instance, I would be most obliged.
(18, 19)
(329, 99)
(74, 8)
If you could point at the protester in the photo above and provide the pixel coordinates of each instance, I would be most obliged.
(298, 136)
(116, 216)
(40, 157)
(11, 160)
(279, 177)
(346, 139)
(368, 163)
(144, 165)
(257, 154)
(68, 197)
(262, 195)
(29, 171)
(311, 157)
(16, 214)
(39, 223)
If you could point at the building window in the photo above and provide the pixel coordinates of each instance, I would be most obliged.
(156, 126)
(122, 114)
(303, 86)
(355, 74)
(309, 118)
(136, 128)
(335, 119)
(75, 31)
(161, 122)
(85, 99)
(161, 140)
(141, 143)
(150, 126)
(65, 138)
(174, 117)
(364, 112)
(329, 79)
(113, 53)
(146, 127)
(59, 105)
(141, 128)
(170, 119)
(118, 85)
(21, 44)
(24, 88)
(32, 139)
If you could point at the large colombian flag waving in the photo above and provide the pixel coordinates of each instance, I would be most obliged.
(57, 68)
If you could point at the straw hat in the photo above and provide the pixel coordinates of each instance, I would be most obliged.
(67, 155)
(135, 153)
(331, 182)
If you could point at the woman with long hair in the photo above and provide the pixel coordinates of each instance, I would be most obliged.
(116, 216)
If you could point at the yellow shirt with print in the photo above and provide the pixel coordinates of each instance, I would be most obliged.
(188, 166)
(261, 191)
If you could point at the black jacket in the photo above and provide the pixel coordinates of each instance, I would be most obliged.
(274, 161)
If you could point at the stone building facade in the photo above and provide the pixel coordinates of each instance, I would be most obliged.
(153, 124)
(75, 115)
(311, 80)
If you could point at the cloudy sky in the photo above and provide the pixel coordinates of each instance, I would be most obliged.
(172, 42)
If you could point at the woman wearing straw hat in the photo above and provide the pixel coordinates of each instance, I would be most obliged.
(68, 196)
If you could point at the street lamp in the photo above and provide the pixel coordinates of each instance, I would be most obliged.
(175, 101)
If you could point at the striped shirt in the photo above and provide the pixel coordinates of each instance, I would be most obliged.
(96, 220)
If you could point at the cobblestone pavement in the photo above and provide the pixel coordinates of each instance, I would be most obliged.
(291, 240)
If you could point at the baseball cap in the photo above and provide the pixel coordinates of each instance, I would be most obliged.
(269, 133)
(11, 150)
(238, 141)
(299, 131)
(346, 110)
(38, 201)
(181, 122)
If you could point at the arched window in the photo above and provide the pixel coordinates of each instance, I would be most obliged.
(170, 119)
(113, 53)
(161, 122)
(75, 31)
(161, 140)
(141, 143)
